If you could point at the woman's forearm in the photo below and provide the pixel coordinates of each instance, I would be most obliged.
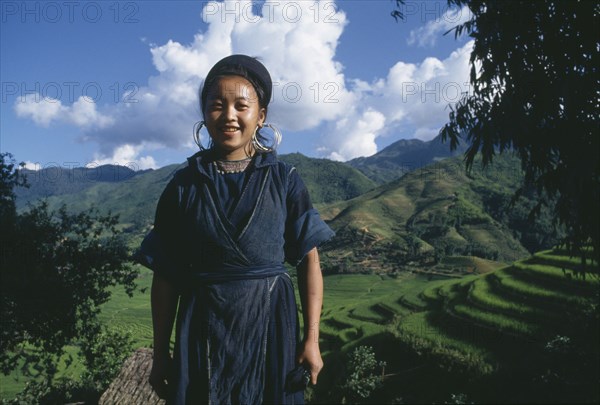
(310, 285)
(164, 306)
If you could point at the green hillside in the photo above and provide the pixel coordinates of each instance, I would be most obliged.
(525, 333)
(435, 212)
(329, 181)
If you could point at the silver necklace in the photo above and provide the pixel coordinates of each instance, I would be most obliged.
(232, 166)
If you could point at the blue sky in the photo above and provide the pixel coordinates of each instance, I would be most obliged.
(95, 82)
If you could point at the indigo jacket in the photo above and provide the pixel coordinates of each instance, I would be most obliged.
(237, 324)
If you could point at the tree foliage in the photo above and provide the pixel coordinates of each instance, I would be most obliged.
(103, 352)
(364, 374)
(9, 179)
(56, 271)
(534, 89)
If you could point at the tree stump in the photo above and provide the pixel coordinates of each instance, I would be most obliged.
(131, 385)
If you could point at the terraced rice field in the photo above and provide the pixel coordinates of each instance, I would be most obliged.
(132, 315)
(492, 326)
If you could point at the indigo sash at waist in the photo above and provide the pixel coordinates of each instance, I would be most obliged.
(236, 273)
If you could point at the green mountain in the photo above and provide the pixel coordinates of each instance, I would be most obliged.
(402, 157)
(134, 197)
(432, 214)
(431, 217)
(329, 181)
(55, 180)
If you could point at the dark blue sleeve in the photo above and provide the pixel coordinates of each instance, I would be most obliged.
(158, 250)
(304, 228)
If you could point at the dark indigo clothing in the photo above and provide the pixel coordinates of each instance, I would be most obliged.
(223, 241)
(229, 189)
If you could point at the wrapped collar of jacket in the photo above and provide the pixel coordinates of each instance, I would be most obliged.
(199, 161)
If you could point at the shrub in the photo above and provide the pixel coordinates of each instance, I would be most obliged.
(364, 374)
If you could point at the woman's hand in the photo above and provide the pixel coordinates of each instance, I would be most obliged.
(311, 358)
(160, 376)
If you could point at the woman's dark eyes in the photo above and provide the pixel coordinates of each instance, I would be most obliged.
(219, 106)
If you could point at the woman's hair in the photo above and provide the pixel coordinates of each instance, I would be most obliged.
(250, 69)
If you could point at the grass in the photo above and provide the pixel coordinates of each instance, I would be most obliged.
(422, 334)
(566, 280)
(366, 304)
(499, 322)
(14, 383)
(482, 295)
(524, 288)
(131, 315)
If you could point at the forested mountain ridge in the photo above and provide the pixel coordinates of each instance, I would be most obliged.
(133, 195)
(54, 179)
(326, 180)
(403, 156)
(329, 181)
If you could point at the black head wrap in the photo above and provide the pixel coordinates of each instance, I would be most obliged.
(245, 66)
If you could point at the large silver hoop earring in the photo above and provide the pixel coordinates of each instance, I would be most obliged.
(197, 127)
(276, 135)
(259, 147)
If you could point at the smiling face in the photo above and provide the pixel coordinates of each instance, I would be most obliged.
(231, 115)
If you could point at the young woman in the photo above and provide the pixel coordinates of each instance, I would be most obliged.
(224, 226)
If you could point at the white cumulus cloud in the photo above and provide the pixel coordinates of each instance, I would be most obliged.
(356, 135)
(126, 155)
(418, 94)
(29, 165)
(427, 35)
(310, 90)
(412, 100)
(44, 111)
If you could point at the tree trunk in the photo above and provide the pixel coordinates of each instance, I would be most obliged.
(131, 385)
